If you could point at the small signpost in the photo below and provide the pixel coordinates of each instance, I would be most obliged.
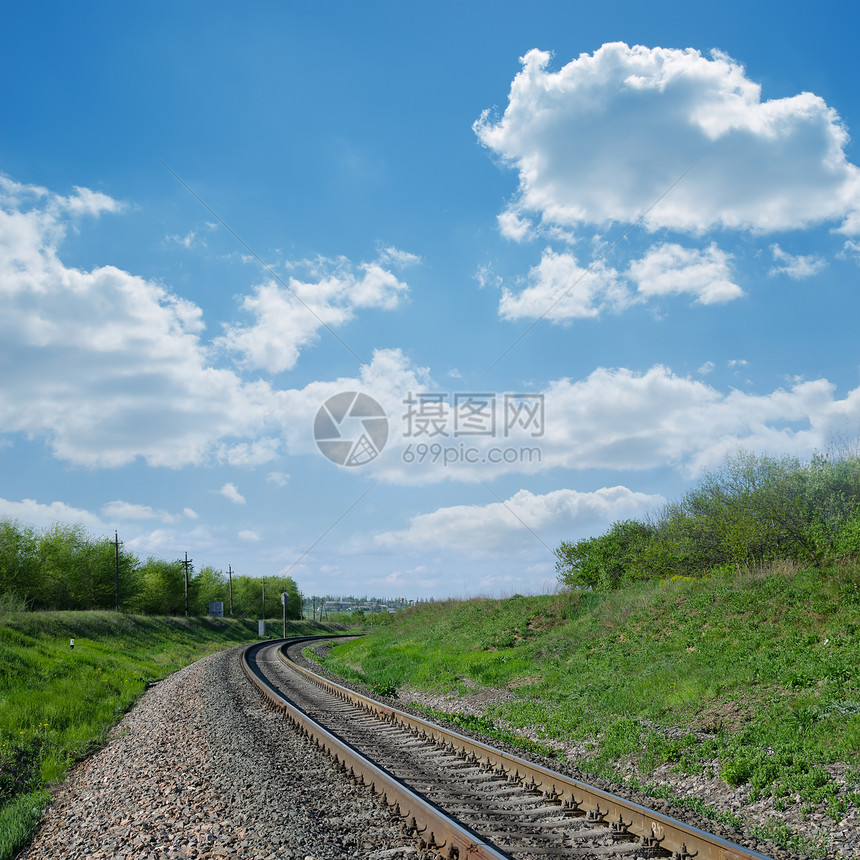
(216, 608)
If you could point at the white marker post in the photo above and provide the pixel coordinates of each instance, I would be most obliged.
(285, 599)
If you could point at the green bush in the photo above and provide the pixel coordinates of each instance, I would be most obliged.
(754, 510)
(604, 562)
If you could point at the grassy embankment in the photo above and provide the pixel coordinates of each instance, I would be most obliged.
(58, 703)
(765, 663)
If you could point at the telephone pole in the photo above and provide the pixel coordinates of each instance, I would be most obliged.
(186, 564)
(116, 567)
(230, 576)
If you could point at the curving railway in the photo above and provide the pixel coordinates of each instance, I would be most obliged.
(462, 799)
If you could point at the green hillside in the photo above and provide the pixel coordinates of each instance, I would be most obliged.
(749, 676)
(57, 703)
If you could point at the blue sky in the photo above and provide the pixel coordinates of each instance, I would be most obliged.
(576, 255)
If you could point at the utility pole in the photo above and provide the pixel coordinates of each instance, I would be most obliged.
(186, 564)
(263, 616)
(116, 567)
(230, 575)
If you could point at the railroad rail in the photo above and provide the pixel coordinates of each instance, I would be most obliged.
(561, 802)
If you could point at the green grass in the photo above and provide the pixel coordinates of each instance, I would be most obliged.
(765, 663)
(57, 704)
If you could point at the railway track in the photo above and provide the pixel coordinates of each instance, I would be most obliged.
(463, 799)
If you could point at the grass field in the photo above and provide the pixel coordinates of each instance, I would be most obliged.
(758, 669)
(756, 672)
(57, 703)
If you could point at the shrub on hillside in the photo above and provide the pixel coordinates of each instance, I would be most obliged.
(754, 510)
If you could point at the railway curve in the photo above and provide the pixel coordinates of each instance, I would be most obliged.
(461, 798)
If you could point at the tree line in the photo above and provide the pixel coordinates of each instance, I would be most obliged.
(753, 510)
(63, 568)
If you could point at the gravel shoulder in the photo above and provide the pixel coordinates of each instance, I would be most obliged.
(201, 768)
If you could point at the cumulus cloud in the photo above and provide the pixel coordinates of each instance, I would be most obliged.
(254, 453)
(512, 225)
(604, 137)
(119, 510)
(40, 515)
(618, 419)
(189, 240)
(231, 492)
(796, 266)
(111, 367)
(670, 269)
(108, 366)
(503, 526)
(287, 316)
(395, 257)
(560, 289)
(851, 248)
(172, 543)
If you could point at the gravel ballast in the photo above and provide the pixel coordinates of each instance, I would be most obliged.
(201, 768)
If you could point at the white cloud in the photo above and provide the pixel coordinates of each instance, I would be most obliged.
(513, 226)
(280, 479)
(485, 276)
(560, 289)
(404, 577)
(171, 543)
(522, 520)
(622, 419)
(189, 240)
(288, 318)
(190, 513)
(251, 454)
(231, 492)
(391, 256)
(795, 266)
(619, 419)
(248, 536)
(600, 140)
(119, 510)
(850, 249)
(108, 366)
(87, 202)
(40, 515)
(670, 269)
